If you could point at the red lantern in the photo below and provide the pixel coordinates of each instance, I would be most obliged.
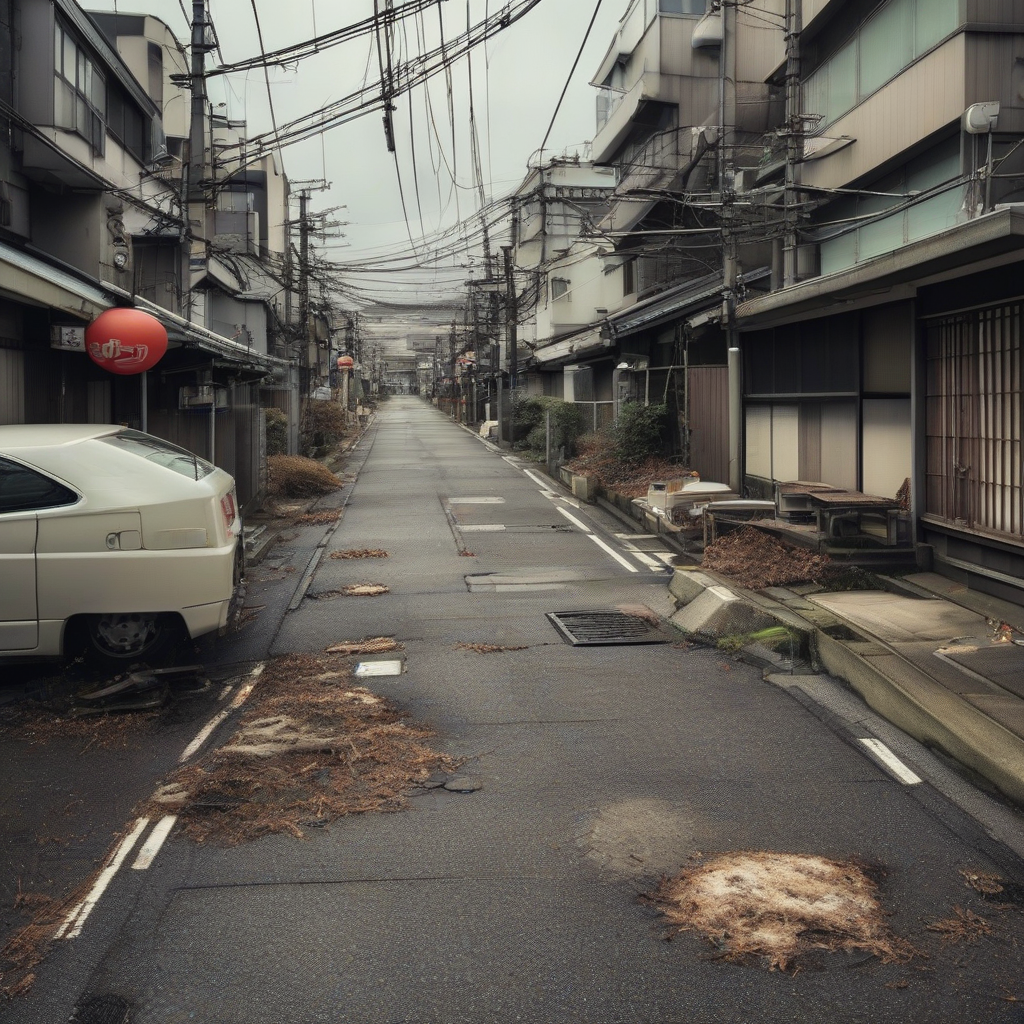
(346, 362)
(126, 341)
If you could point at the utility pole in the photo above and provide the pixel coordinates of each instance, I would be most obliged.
(511, 317)
(794, 128)
(195, 198)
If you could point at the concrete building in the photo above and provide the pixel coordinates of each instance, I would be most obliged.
(889, 348)
(91, 217)
(684, 104)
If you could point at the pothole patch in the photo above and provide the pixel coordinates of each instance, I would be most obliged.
(778, 909)
(365, 590)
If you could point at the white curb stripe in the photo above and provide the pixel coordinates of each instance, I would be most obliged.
(151, 847)
(77, 918)
(237, 701)
(618, 558)
(572, 519)
(891, 761)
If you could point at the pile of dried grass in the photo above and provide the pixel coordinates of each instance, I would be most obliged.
(778, 908)
(756, 560)
(597, 458)
(311, 748)
(321, 517)
(293, 476)
(41, 725)
(365, 590)
(373, 645)
(487, 648)
(359, 553)
(963, 926)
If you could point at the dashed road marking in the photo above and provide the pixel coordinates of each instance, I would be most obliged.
(74, 922)
(483, 528)
(891, 761)
(151, 847)
(651, 563)
(476, 501)
(572, 519)
(237, 701)
(541, 483)
(611, 551)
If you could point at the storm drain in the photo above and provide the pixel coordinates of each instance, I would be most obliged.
(101, 1010)
(597, 629)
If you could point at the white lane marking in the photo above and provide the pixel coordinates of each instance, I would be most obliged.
(151, 847)
(77, 918)
(237, 701)
(611, 551)
(572, 519)
(538, 480)
(651, 563)
(223, 693)
(636, 536)
(891, 761)
(667, 558)
(486, 528)
(476, 501)
(379, 668)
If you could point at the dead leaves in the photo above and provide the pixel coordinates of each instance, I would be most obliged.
(375, 645)
(310, 749)
(487, 648)
(359, 553)
(963, 926)
(778, 908)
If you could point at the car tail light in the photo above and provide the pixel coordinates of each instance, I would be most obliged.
(228, 507)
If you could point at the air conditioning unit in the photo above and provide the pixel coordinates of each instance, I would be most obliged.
(202, 396)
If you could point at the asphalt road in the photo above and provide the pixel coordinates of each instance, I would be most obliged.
(600, 770)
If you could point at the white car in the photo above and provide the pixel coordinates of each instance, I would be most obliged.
(112, 541)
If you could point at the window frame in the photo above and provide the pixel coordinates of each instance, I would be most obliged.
(85, 91)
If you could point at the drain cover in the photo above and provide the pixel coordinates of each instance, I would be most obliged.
(101, 1010)
(595, 629)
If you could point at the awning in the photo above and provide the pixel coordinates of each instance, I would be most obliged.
(994, 235)
(27, 278)
(576, 346)
(676, 303)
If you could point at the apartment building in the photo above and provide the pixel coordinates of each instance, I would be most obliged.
(684, 102)
(91, 218)
(890, 346)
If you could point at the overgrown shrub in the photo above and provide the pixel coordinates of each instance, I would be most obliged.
(324, 425)
(277, 432)
(292, 476)
(638, 432)
(529, 417)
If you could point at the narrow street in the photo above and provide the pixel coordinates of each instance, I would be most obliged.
(588, 774)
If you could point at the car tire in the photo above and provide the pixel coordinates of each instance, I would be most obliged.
(122, 639)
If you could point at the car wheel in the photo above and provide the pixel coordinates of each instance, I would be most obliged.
(122, 638)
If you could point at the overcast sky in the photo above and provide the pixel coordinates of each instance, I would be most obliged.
(516, 88)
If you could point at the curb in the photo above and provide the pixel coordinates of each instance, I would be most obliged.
(710, 608)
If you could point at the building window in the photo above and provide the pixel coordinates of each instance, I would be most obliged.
(682, 6)
(629, 277)
(79, 95)
(559, 287)
(889, 41)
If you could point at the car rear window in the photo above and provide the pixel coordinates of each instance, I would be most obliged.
(163, 453)
(24, 490)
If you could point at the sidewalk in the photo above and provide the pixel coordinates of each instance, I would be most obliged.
(941, 662)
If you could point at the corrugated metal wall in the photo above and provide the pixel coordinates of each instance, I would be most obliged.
(974, 471)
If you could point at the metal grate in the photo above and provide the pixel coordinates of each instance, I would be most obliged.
(596, 629)
(102, 1010)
